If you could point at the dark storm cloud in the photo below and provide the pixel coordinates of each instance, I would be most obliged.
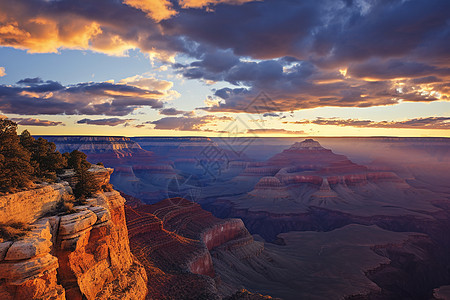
(417, 123)
(263, 29)
(33, 97)
(104, 122)
(327, 31)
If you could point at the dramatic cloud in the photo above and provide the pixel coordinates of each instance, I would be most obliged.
(304, 54)
(301, 85)
(36, 122)
(105, 26)
(417, 123)
(33, 96)
(104, 122)
(189, 123)
(2, 71)
(275, 131)
(326, 31)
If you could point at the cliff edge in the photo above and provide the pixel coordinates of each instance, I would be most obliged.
(80, 254)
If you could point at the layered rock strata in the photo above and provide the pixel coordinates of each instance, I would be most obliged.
(84, 254)
(174, 239)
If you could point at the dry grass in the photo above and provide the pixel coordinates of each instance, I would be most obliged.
(66, 205)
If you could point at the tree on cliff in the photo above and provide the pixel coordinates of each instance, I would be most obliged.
(44, 157)
(24, 159)
(87, 184)
(15, 168)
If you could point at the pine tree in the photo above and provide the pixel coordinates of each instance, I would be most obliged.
(77, 160)
(87, 184)
(15, 168)
(44, 157)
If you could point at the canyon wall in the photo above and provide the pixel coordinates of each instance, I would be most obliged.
(82, 253)
(174, 239)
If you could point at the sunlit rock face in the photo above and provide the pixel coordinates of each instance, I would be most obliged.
(84, 254)
(28, 206)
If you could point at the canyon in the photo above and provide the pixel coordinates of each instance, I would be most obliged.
(285, 218)
(112, 248)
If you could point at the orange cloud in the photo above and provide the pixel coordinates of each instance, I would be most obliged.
(2, 71)
(44, 27)
(43, 35)
(158, 10)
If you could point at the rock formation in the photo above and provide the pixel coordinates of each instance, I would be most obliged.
(80, 255)
(174, 240)
(270, 187)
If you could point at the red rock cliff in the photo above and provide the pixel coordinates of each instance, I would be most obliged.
(81, 255)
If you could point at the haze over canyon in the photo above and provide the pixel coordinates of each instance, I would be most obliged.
(366, 220)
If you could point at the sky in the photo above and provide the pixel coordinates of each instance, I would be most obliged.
(226, 67)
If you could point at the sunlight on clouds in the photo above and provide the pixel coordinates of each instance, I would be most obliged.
(163, 87)
(32, 33)
(111, 44)
(158, 10)
(149, 83)
(343, 72)
(2, 71)
(43, 95)
(29, 94)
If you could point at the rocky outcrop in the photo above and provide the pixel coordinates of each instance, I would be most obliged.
(81, 255)
(28, 206)
(27, 267)
(101, 175)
